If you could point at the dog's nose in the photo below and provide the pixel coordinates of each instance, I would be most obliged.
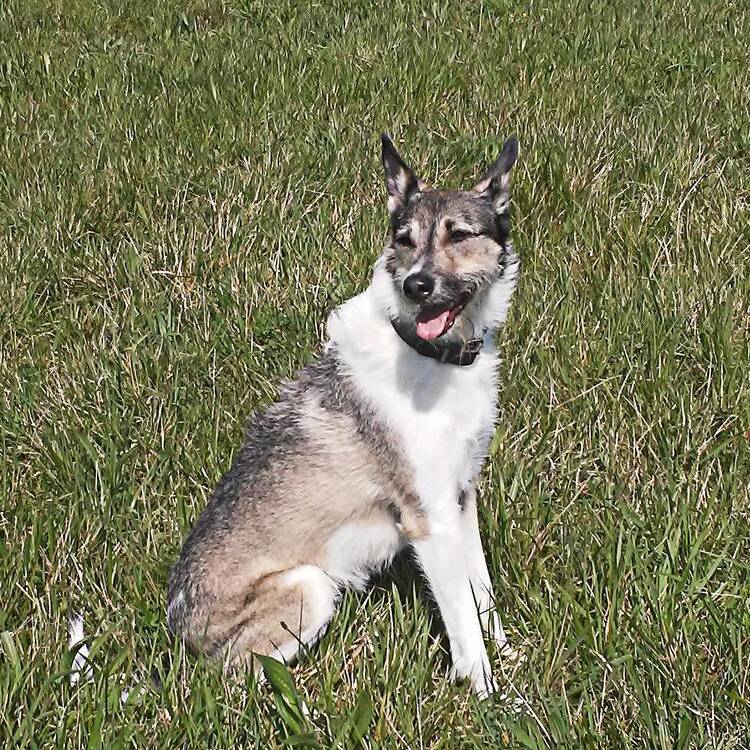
(419, 286)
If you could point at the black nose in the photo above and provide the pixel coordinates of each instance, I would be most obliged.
(419, 286)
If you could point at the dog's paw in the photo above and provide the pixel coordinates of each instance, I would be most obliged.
(484, 687)
(478, 673)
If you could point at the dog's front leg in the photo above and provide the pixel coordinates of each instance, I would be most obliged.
(481, 583)
(445, 558)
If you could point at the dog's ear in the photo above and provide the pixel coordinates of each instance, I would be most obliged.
(495, 183)
(400, 179)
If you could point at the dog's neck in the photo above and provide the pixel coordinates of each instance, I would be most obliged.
(450, 352)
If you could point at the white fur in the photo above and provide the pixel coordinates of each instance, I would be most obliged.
(81, 670)
(177, 601)
(81, 667)
(321, 592)
(357, 548)
(444, 417)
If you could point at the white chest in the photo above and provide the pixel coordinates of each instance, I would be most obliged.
(441, 415)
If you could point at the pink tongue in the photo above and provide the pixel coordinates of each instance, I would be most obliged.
(434, 327)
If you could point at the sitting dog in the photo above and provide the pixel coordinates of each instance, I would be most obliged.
(375, 447)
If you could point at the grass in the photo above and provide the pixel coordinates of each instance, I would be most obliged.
(188, 188)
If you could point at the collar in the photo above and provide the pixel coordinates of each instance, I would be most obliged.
(449, 353)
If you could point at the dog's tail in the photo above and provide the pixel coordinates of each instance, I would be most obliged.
(82, 669)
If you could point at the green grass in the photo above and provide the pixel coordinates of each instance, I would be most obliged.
(188, 188)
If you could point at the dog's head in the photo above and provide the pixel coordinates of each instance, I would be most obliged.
(448, 249)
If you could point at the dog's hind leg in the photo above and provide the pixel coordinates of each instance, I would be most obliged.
(285, 612)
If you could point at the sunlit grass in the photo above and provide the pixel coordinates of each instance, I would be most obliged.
(188, 188)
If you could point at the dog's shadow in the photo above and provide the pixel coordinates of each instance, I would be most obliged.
(403, 573)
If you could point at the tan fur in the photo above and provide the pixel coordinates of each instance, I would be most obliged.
(276, 614)
(468, 258)
(338, 482)
(431, 237)
(321, 492)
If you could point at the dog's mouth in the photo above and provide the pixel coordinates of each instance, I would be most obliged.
(433, 323)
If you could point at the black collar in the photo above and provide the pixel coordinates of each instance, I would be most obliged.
(450, 353)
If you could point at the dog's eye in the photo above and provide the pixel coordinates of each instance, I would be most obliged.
(405, 239)
(459, 235)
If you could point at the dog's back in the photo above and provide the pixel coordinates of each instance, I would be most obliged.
(316, 468)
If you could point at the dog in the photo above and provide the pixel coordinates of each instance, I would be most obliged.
(375, 447)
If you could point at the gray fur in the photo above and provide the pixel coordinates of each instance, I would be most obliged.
(255, 575)
(270, 491)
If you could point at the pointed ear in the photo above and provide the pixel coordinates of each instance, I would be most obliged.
(400, 179)
(495, 184)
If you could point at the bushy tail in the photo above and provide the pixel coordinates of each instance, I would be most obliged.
(81, 670)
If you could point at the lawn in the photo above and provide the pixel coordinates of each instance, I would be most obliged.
(188, 188)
